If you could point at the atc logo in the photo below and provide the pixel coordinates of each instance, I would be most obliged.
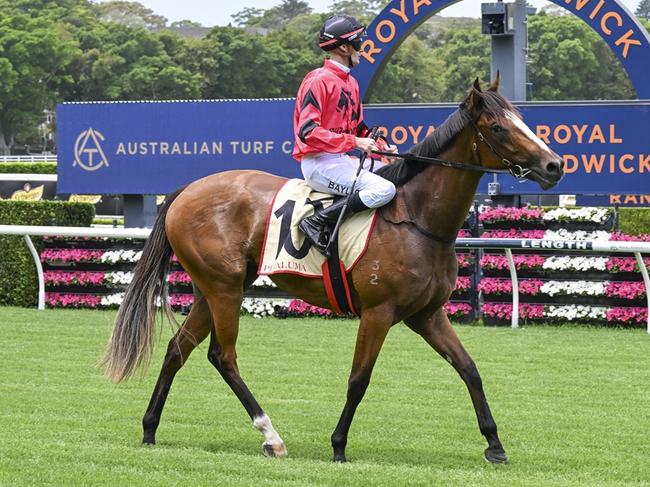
(88, 152)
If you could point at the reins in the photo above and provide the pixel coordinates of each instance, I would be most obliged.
(515, 170)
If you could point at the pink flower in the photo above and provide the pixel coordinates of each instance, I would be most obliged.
(522, 262)
(462, 283)
(457, 310)
(627, 315)
(625, 289)
(462, 233)
(490, 285)
(71, 255)
(618, 236)
(511, 214)
(79, 278)
(625, 264)
(513, 233)
(298, 307)
(61, 300)
(465, 260)
(179, 277)
(180, 300)
(504, 311)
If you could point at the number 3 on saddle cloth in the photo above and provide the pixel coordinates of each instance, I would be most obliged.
(286, 251)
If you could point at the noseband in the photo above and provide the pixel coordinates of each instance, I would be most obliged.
(515, 169)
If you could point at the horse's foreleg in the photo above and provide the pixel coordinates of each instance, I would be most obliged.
(370, 337)
(196, 327)
(222, 354)
(438, 332)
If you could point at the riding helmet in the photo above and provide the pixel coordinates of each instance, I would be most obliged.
(339, 30)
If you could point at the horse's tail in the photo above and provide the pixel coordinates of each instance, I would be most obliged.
(132, 340)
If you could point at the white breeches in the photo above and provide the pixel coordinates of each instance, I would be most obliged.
(334, 174)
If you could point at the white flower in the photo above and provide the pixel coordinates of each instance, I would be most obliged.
(113, 256)
(584, 214)
(575, 312)
(564, 234)
(264, 281)
(112, 299)
(567, 262)
(119, 277)
(574, 288)
(260, 307)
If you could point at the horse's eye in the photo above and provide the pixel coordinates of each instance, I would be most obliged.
(497, 129)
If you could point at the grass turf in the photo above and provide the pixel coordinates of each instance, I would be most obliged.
(572, 405)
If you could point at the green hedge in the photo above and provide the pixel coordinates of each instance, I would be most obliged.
(18, 280)
(28, 167)
(634, 221)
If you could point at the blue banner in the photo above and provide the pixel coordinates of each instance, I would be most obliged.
(156, 147)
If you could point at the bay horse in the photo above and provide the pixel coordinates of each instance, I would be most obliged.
(216, 225)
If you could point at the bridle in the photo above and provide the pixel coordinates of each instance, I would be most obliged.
(515, 170)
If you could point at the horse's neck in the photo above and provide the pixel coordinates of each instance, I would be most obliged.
(440, 197)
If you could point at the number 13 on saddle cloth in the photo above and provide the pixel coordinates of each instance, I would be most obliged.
(285, 249)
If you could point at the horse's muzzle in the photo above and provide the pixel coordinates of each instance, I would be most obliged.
(547, 174)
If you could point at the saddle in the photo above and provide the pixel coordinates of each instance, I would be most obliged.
(285, 249)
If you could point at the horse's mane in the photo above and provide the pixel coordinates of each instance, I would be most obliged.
(400, 172)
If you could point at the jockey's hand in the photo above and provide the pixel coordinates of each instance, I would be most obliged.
(366, 144)
(389, 148)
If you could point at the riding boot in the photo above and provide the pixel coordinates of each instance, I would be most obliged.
(317, 227)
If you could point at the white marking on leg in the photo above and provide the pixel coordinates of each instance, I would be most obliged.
(449, 359)
(519, 123)
(271, 437)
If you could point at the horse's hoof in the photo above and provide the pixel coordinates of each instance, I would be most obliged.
(148, 441)
(274, 450)
(496, 457)
(339, 458)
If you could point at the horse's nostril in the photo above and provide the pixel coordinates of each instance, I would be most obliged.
(554, 167)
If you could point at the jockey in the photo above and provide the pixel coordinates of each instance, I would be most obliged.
(328, 123)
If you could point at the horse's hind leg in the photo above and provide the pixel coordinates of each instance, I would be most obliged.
(194, 330)
(225, 306)
(438, 332)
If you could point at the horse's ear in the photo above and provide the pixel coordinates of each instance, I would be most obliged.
(494, 86)
(475, 100)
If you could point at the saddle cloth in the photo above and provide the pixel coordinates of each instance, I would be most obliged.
(285, 249)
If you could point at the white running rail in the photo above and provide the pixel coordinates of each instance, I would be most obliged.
(507, 244)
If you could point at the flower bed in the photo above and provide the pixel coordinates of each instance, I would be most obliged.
(526, 218)
(501, 314)
(537, 290)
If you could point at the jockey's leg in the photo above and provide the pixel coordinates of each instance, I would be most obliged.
(335, 174)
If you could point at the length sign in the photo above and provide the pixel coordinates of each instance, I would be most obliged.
(156, 147)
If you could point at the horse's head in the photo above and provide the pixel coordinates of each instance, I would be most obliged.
(503, 140)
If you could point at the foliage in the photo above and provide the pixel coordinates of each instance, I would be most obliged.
(18, 283)
(643, 10)
(569, 61)
(28, 168)
(74, 50)
(634, 221)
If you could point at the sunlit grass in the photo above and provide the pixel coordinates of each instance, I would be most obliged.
(572, 405)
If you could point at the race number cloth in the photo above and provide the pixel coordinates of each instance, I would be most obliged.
(286, 251)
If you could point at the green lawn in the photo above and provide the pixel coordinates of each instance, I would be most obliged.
(572, 405)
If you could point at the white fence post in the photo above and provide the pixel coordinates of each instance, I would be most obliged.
(515, 289)
(39, 271)
(646, 281)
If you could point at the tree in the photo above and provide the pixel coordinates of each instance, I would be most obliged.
(247, 16)
(569, 61)
(34, 55)
(643, 10)
(132, 14)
